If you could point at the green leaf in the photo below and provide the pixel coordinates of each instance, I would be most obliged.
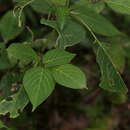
(69, 76)
(122, 6)
(96, 22)
(18, 102)
(6, 84)
(42, 6)
(59, 2)
(39, 84)
(4, 63)
(97, 7)
(117, 55)
(111, 79)
(57, 57)
(62, 15)
(9, 26)
(22, 52)
(72, 34)
(50, 23)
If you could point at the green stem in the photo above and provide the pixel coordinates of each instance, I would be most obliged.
(86, 25)
(31, 32)
(20, 11)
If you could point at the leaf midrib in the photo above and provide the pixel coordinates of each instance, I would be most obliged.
(67, 75)
(118, 4)
(47, 62)
(39, 86)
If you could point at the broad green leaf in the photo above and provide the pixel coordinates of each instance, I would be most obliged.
(57, 57)
(4, 60)
(9, 26)
(122, 6)
(96, 22)
(62, 15)
(39, 84)
(117, 55)
(18, 102)
(4, 63)
(22, 52)
(111, 79)
(2, 125)
(6, 84)
(72, 34)
(50, 23)
(98, 7)
(42, 6)
(69, 76)
(59, 2)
